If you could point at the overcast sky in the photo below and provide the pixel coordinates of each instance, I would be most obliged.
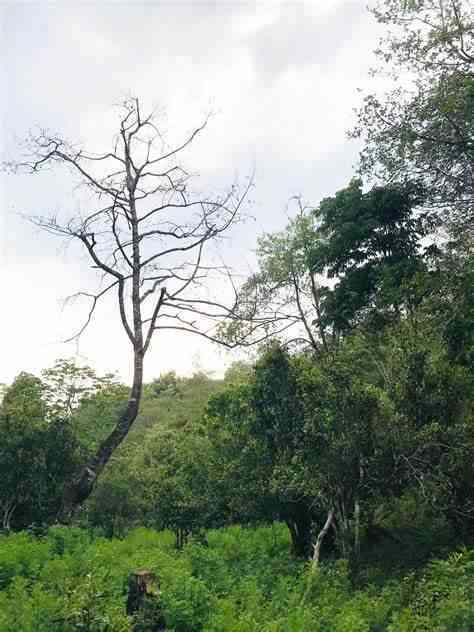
(281, 81)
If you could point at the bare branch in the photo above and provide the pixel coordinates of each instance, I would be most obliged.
(156, 311)
(95, 298)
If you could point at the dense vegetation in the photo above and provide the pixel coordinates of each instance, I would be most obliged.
(326, 484)
(243, 580)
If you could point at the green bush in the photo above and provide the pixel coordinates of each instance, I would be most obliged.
(21, 555)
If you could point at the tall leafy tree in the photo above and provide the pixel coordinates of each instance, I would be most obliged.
(286, 292)
(48, 424)
(424, 127)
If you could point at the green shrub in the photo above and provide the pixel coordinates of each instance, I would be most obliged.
(21, 555)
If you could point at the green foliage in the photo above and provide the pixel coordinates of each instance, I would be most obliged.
(37, 455)
(21, 555)
(66, 384)
(174, 402)
(354, 260)
(424, 129)
(242, 579)
(96, 414)
(371, 245)
(285, 292)
(67, 581)
(443, 597)
(161, 476)
(48, 425)
(23, 402)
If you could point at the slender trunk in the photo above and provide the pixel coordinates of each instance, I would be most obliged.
(357, 529)
(321, 535)
(304, 320)
(79, 489)
(9, 509)
(317, 304)
(345, 540)
(316, 555)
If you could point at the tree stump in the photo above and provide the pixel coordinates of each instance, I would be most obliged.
(140, 584)
(143, 601)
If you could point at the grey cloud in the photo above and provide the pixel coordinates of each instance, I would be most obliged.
(299, 38)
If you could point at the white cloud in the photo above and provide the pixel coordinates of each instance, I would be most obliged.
(281, 79)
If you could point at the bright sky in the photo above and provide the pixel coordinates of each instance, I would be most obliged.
(282, 80)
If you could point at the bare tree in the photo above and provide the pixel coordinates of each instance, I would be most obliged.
(146, 233)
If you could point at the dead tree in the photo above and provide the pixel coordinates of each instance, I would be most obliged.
(147, 234)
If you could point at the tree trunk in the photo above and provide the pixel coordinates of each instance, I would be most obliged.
(143, 602)
(181, 536)
(81, 487)
(317, 554)
(321, 535)
(8, 511)
(356, 529)
(140, 584)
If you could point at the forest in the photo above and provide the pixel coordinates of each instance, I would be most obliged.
(326, 482)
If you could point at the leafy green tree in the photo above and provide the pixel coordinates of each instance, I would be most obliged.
(278, 412)
(37, 454)
(299, 437)
(453, 302)
(423, 128)
(239, 372)
(66, 383)
(179, 483)
(347, 451)
(241, 467)
(354, 260)
(49, 424)
(371, 247)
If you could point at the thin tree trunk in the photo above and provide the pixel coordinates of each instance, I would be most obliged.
(7, 515)
(321, 535)
(317, 304)
(345, 538)
(357, 528)
(80, 488)
(316, 554)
